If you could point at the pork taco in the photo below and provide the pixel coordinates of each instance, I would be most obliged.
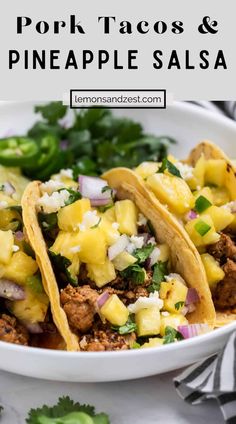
(200, 192)
(114, 267)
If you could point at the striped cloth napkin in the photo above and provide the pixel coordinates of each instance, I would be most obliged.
(227, 108)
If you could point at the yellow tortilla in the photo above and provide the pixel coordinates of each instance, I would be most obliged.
(34, 234)
(184, 257)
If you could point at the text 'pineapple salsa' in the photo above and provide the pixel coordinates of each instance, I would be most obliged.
(201, 193)
(117, 285)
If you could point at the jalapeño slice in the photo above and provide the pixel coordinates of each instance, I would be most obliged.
(18, 151)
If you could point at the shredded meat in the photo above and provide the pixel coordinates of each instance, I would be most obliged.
(11, 331)
(225, 292)
(223, 249)
(128, 296)
(79, 304)
(101, 339)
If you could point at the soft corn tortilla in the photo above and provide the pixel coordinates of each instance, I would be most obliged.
(35, 236)
(184, 256)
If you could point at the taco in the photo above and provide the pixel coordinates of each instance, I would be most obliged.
(114, 267)
(24, 305)
(200, 192)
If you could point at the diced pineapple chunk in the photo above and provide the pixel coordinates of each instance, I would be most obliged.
(221, 217)
(70, 216)
(210, 237)
(148, 321)
(6, 243)
(74, 267)
(232, 225)
(64, 244)
(153, 342)
(123, 260)
(215, 172)
(111, 234)
(20, 267)
(164, 252)
(110, 214)
(126, 216)
(7, 199)
(172, 191)
(32, 309)
(101, 274)
(213, 270)
(198, 174)
(93, 247)
(172, 320)
(205, 192)
(174, 294)
(9, 219)
(145, 169)
(220, 195)
(115, 311)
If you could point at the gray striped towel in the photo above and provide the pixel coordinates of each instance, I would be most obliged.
(213, 378)
(227, 108)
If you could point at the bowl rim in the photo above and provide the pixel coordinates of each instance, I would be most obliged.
(185, 107)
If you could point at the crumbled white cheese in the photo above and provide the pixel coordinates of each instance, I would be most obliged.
(185, 170)
(115, 225)
(231, 206)
(75, 249)
(68, 173)
(141, 219)
(55, 201)
(90, 219)
(50, 186)
(15, 248)
(3, 204)
(151, 241)
(146, 302)
(165, 314)
(154, 256)
(135, 243)
(174, 276)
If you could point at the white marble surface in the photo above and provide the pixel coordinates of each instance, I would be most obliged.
(146, 401)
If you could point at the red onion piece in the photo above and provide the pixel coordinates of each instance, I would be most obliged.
(192, 330)
(102, 299)
(8, 188)
(19, 236)
(191, 215)
(192, 296)
(11, 291)
(92, 188)
(118, 247)
(33, 327)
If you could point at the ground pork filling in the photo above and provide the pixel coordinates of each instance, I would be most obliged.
(12, 332)
(80, 306)
(224, 251)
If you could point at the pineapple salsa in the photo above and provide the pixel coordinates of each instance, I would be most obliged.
(203, 198)
(117, 285)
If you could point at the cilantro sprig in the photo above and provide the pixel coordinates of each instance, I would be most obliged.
(171, 334)
(166, 164)
(129, 327)
(159, 272)
(66, 411)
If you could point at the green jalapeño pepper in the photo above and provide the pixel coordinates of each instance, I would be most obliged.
(18, 151)
(48, 150)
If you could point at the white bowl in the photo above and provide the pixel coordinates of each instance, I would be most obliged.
(188, 124)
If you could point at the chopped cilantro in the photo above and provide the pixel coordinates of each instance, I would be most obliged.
(48, 221)
(136, 345)
(134, 273)
(201, 204)
(103, 209)
(159, 272)
(127, 328)
(171, 334)
(202, 227)
(106, 188)
(151, 228)
(143, 253)
(65, 411)
(60, 266)
(96, 225)
(35, 283)
(74, 195)
(166, 164)
(52, 112)
(179, 305)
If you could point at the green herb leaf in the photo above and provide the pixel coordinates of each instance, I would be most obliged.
(66, 410)
(52, 112)
(166, 164)
(171, 334)
(202, 204)
(106, 188)
(129, 327)
(134, 273)
(60, 266)
(179, 305)
(159, 272)
(35, 283)
(74, 195)
(143, 253)
(96, 225)
(48, 221)
(136, 345)
(202, 227)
